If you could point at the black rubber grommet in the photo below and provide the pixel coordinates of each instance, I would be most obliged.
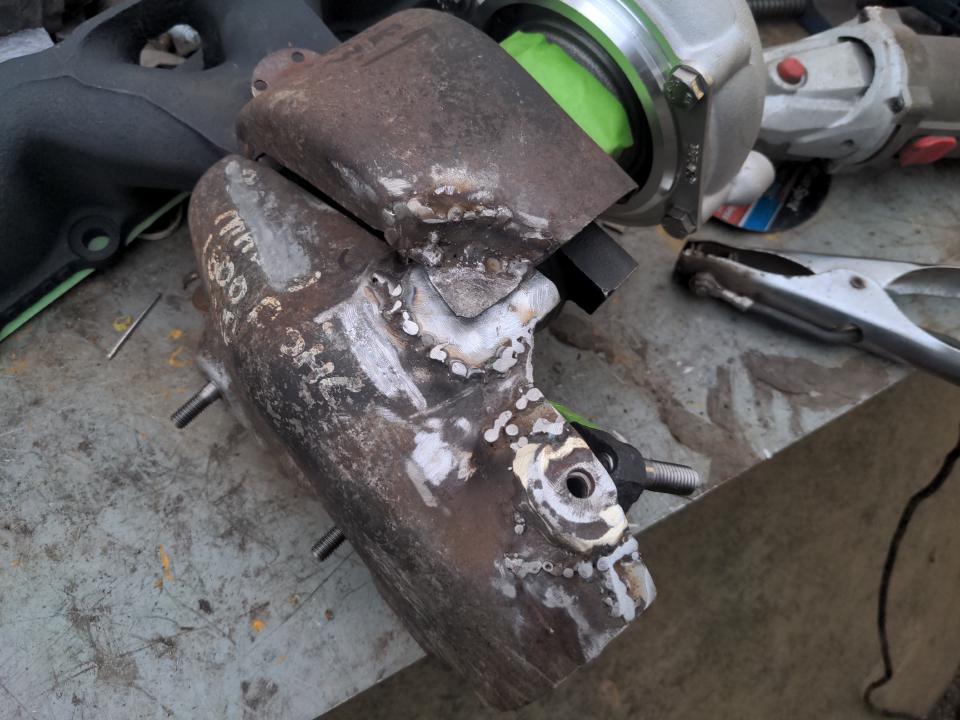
(95, 238)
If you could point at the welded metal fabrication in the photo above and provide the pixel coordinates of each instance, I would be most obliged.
(397, 372)
(372, 266)
(395, 217)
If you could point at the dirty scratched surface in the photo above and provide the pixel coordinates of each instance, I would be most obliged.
(146, 573)
(689, 380)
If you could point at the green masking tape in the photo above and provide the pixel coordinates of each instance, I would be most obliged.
(584, 98)
(571, 417)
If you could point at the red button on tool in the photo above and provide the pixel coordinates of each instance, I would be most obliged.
(927, 150)
(792, 71)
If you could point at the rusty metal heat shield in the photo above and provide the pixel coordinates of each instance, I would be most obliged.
(491, 528)
(426, 130)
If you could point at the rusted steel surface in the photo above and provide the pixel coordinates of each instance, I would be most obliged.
(96, 478)
(277, 67)
(423, 432)
(425, 129)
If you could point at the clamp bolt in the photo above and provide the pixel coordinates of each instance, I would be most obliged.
(678, 223)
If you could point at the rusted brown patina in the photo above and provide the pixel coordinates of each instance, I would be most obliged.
(425, 129)
(278, 67)
(434, 452)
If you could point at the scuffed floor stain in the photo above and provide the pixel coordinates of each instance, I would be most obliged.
(111, 666)
(164, 646)
(720, 401)
(17, 367)
(122, 323)
(258, 616)
(584, 335)
(178, 358)
(165, 564)
(258, 693)
(817, 387)
(720, 438)
(382, 645)
(729, 451)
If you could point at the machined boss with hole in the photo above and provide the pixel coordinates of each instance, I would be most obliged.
(580, 484)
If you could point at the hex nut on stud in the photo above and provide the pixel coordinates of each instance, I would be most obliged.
(678, 223)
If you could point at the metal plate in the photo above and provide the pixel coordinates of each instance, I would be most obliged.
(426, 130)
(447, 469)
(661, 367)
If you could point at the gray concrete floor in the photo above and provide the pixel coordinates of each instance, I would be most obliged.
(754, 666)
(627, 681)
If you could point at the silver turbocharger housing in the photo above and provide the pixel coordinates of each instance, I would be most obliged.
(690, 75)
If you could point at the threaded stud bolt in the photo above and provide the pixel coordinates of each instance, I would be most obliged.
(664, 477)
(325, 546)
(206, 396)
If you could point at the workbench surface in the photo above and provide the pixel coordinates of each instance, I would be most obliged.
(147, 572)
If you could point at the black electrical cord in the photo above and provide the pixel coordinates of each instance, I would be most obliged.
(938, 481)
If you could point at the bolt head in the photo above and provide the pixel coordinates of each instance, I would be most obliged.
(685, 88)
(678, 223)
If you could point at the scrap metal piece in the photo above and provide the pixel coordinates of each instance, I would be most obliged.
(589, 268)
(133, 326)
(422, 431)
(830, 297)
(425, 129)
